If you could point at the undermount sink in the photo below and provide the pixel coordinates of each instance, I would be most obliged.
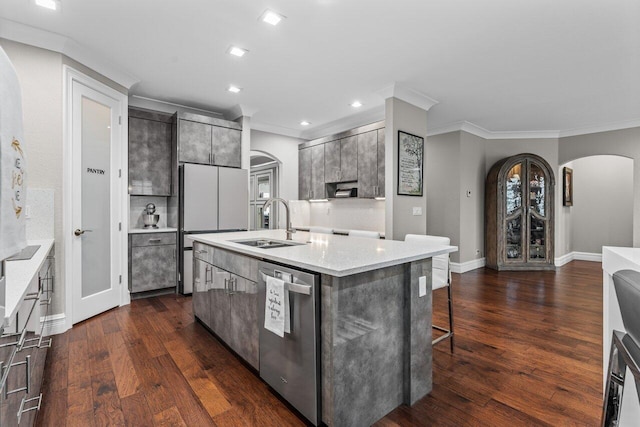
(267, 243)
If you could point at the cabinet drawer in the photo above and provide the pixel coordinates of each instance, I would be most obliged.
(153, 267)
(153, 239)
(235, 263)
(203, 252)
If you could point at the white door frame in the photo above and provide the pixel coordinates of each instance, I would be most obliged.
(70, 75)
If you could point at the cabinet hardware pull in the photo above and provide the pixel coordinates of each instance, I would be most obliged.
(155, 240)
(33, 408)
(201, 252)
(207, 270)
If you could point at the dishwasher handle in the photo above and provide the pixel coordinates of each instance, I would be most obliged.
(292, 287)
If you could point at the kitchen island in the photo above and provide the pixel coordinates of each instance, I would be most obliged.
(375, 314)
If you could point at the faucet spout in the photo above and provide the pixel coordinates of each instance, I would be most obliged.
(269, 202)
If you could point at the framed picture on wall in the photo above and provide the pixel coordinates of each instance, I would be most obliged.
(410, 164)
(567, 192)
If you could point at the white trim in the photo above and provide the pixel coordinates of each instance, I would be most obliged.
(463, 267)
(54, 324)
(26, 34)
(366, 117)
(627, 124)
(413, 97)
(579, 256)
(69, 75)
(278, 130)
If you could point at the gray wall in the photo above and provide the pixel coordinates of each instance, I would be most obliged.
(399, 221)
(472, 177)
(602, 211)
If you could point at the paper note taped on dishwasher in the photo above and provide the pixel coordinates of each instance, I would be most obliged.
(276, 307)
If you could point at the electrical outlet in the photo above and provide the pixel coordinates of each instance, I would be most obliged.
(27, 211)
(468, 193)
(422, 286)
(417, 211)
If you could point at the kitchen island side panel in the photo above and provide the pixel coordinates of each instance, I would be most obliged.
(369, 337)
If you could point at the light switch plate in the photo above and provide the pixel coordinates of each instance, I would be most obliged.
(417, 211)
(422, 286)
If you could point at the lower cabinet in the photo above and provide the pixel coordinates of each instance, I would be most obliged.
(23, 352)
(227, 303)
(152, 261)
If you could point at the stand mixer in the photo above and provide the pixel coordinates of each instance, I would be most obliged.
(149, 216)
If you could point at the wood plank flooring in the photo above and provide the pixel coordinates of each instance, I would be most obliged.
(528, 353)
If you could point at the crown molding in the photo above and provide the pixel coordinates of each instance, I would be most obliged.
(627, 124)
(487, 134)
(396, 90)
(240, 110)
(353, 121)
(278, 130)
(26, 34)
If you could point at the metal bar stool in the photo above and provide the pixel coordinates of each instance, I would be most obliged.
(625, 351)
(440, 277)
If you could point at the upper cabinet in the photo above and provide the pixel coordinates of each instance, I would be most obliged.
(150, 170)
(341, 160)
(519, 214)
(371, 164)
(354, 158)
(209, 141)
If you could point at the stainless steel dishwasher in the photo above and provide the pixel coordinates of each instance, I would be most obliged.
(291, 365)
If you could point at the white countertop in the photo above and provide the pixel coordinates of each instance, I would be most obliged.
(152, 230)
(19, 275)
(329, 254)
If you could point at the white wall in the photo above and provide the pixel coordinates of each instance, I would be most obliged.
(602, 211)
(399, 218)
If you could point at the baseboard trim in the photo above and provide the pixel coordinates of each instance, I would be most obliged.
(54, 324)
(579, 256)
(463, 267)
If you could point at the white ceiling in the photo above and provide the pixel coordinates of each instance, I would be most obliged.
(502, 65)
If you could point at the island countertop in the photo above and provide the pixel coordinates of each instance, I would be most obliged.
(324, 253)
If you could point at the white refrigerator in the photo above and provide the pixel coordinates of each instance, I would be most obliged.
(212, 199)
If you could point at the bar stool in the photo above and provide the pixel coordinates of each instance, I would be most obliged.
(440, 277)
(625, 348)
(364, 233)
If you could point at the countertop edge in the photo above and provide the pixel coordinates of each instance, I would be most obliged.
(152, 230)
(33, 265)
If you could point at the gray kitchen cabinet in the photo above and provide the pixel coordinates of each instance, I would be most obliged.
(230, 306)
(371, 164)
(208, 141)
(152, 264)
(341, 160)
(304, 167)
(318, 190)
(195, 142)
(225, 147)
(150, 171)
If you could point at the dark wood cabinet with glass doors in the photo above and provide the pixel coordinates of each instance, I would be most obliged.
(519, 202)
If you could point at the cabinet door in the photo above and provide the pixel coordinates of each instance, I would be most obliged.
(349, 159)
(367, 164)
(149, 157)
(202, 279)
(153, 267)
(195, 142)
(332, 161)
(304, 174)
(225, 147)
(219, 302)
(317, 172)
(244, 332)
(381, 181)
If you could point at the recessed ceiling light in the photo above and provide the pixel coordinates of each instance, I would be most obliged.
(305, 123)
(271, 17)
(237, 51)
(356, 104)
(49, 4)
(234, 89)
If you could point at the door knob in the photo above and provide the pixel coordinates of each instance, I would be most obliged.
(79, 232)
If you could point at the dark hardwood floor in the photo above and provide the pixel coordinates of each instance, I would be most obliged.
(528, 353)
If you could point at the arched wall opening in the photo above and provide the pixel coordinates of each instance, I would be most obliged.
(264, 183)
(601, 213)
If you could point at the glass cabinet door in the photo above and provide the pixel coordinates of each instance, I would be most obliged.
(537, 215)
(514, 214)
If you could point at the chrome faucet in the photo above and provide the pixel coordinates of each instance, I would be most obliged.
(268, 203)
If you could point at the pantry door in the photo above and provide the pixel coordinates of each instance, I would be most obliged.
(95, 230)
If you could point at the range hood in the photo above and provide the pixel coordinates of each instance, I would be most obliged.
(344, 193)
